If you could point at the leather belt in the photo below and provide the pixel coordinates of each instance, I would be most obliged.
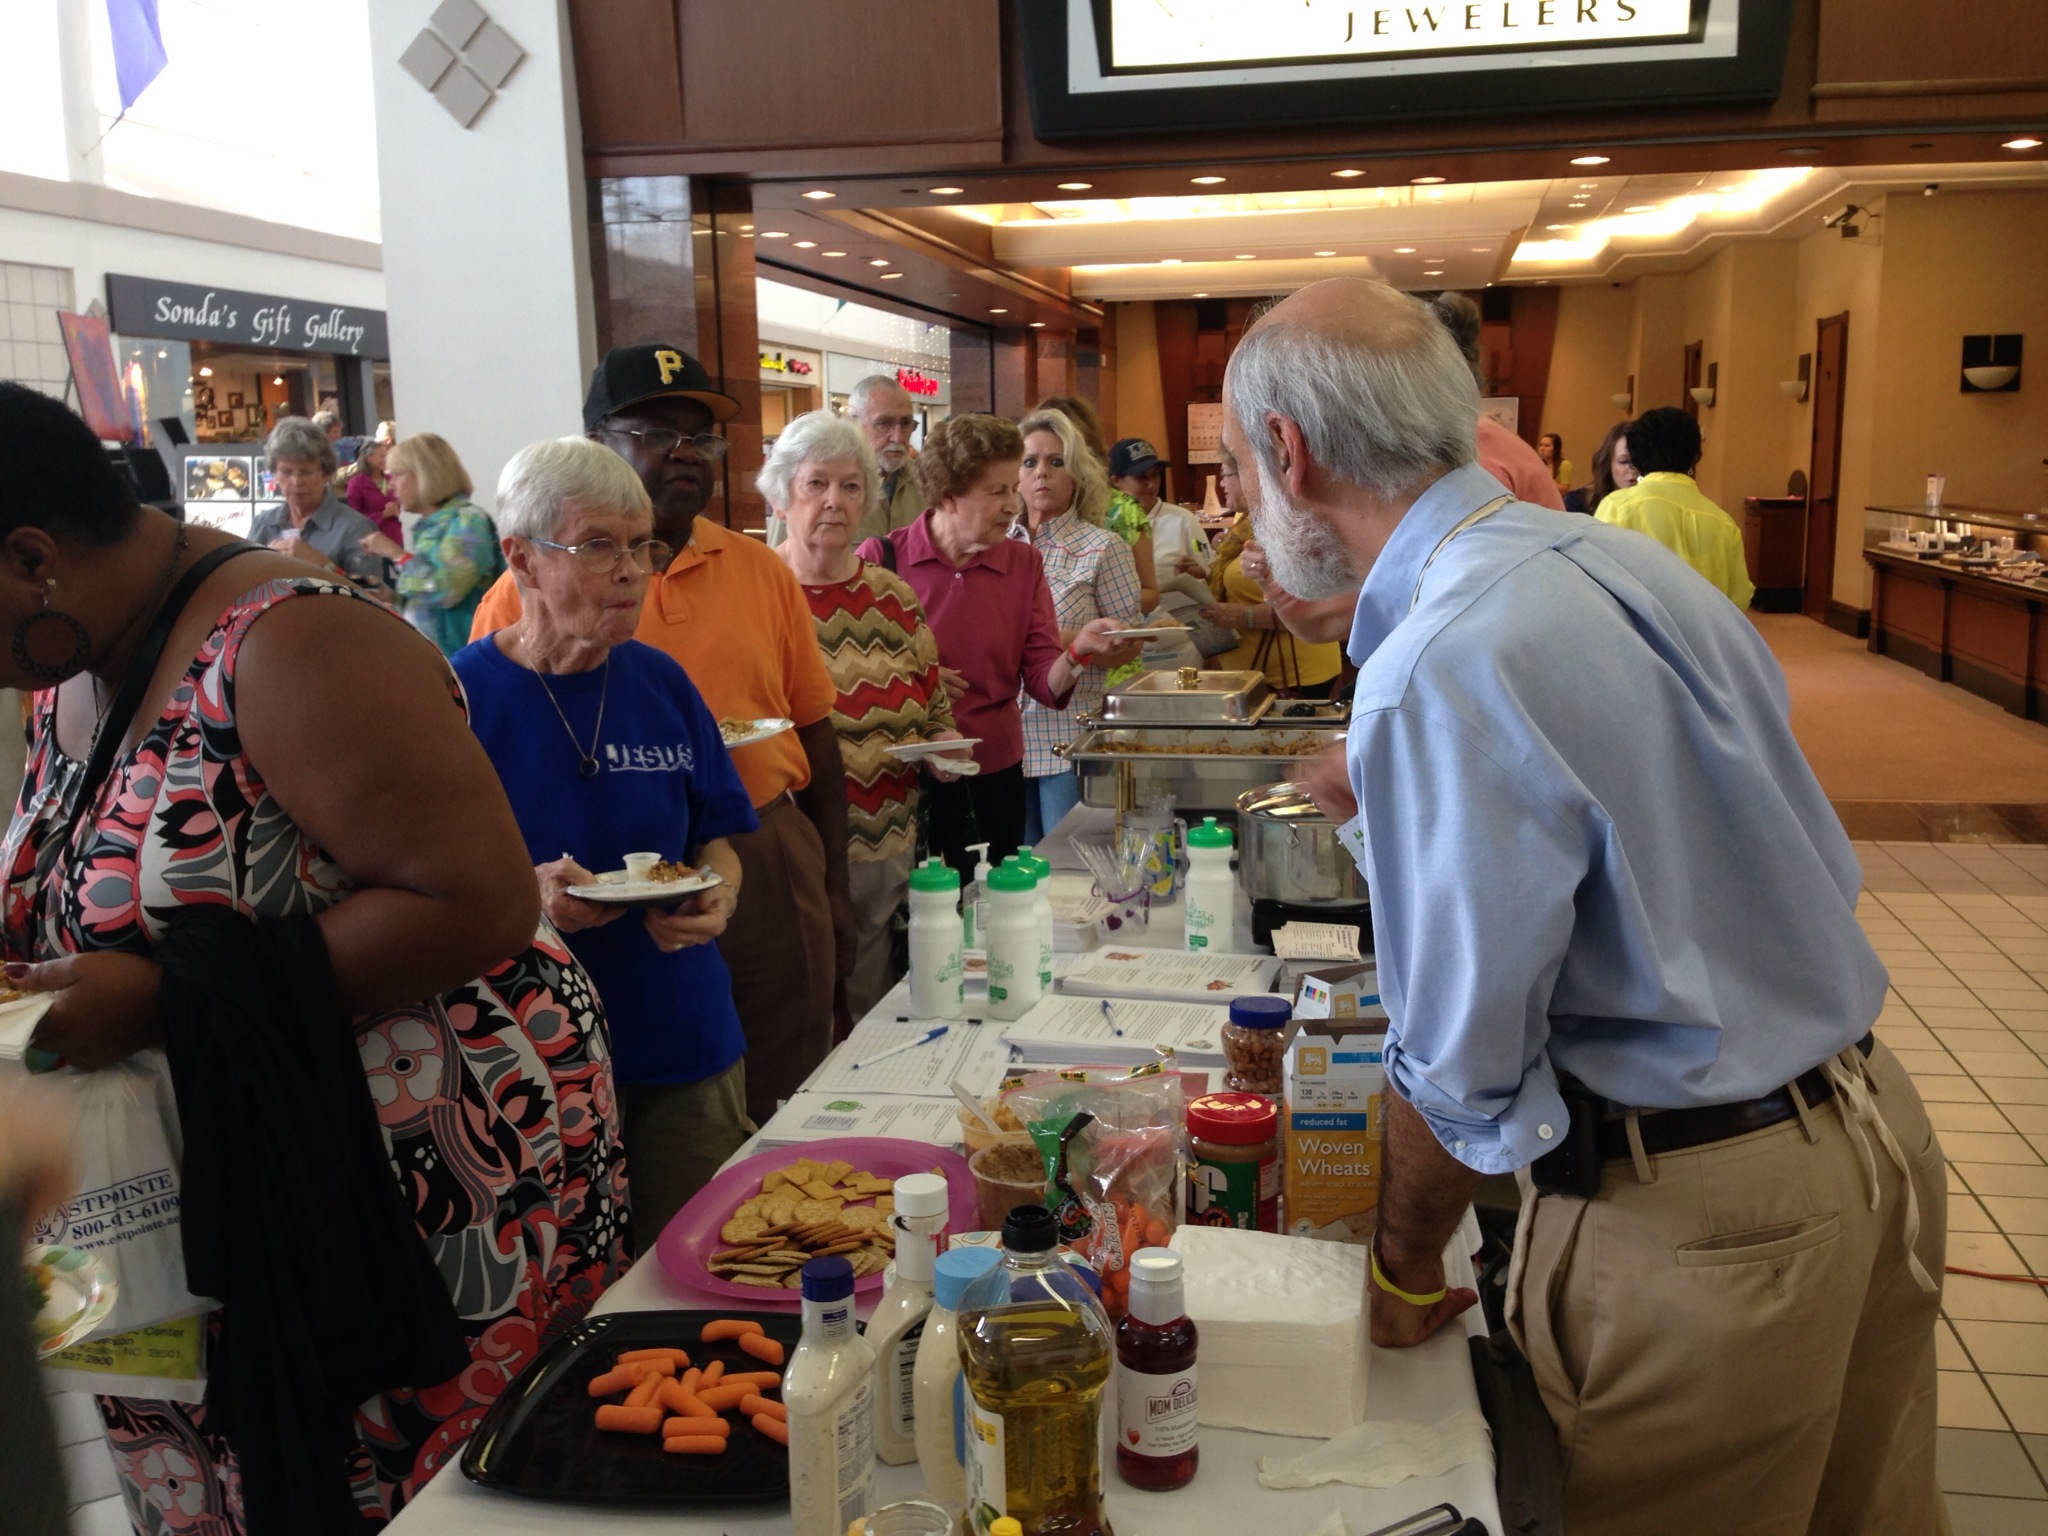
(1679, 1130)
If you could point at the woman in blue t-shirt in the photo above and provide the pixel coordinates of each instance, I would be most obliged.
(606, 749)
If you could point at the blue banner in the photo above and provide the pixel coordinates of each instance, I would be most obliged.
(139, 55)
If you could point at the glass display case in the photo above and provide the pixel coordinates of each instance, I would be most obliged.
(1989, 542)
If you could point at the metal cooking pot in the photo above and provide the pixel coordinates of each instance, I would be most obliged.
(1289, 850)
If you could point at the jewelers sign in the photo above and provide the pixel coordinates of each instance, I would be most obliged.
(147, 306)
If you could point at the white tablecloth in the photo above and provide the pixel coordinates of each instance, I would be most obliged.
(1423, 1385)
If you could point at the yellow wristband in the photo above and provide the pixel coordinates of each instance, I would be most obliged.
(1379, 1278)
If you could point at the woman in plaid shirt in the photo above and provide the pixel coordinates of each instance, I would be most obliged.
(1091, 575)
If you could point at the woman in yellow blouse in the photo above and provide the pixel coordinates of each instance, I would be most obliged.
(1292, 666)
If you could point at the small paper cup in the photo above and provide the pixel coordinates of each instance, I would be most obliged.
(640, 866)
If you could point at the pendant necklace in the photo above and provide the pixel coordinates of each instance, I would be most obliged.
(586, 762)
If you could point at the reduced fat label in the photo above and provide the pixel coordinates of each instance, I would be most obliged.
(1156, 1414)
(988, 1478)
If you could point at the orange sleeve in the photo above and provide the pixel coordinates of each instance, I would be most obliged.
(499, 609)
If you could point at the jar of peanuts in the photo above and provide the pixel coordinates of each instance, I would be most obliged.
(1254, 1041)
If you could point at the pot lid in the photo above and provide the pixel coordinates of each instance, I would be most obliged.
(1287, 801)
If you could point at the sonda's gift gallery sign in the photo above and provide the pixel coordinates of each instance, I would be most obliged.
(147, 306)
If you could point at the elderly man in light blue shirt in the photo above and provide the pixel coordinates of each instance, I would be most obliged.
(1616, 933)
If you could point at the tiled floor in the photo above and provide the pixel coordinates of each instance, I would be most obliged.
(1964, 930)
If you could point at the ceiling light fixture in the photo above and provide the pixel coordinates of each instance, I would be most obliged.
(1427, 181)
(1246, 256)
(1404, 250)
(878, 261)
(1555, 227)
(746, 229)
(1591, 159)
(206, 372)
(1481, 250)
(1326, 253)
(890, 277)
(1038, 325)
(819, 194)
(774, 234)
(807, 245)
(278, 380)
(1640, 208)
(1207, 181)
(1169, 261)
(947, 191)
(1347, 173)
(831, 253)
(1201, 295)
(2022, 143)
(999, 311)
(1076, 186)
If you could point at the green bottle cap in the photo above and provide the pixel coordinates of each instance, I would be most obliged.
(1011, 876)
(935, 874)
(1209, 835)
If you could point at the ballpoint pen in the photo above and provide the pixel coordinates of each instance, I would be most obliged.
(924, 1039)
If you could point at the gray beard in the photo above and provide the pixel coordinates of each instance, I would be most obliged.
(1306, 556)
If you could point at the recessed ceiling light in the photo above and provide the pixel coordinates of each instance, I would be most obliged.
(1555, 227)
(878, 261)
(1326, 253)
(1589, 186)
(774, 234)
(1426, 181)
(1481, 250)
(746, 229)
(1169, 261)
(1404, 250)
(999, 311)
(1801, 149)
(1640, 208)
(1207, 181)
(890, 277)
(819, 194)
(206, 371)
(1076, 186)
(947, 191)
(1201, 295)
(807, 245)
(2022, 143)
(831, 253)
(1591, 159)
(1347, 173)
(1246, 256)
(1038, 325)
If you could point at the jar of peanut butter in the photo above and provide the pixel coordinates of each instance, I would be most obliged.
(1234, 1162)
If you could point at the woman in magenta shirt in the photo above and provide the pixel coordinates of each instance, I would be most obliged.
(985, 598)
(369, 484)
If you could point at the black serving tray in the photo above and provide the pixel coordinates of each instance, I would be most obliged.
(539, 1438)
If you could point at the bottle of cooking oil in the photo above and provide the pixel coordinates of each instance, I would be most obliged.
(1037, 1351)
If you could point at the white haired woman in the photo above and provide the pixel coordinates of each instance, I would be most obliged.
(1092, 576)
(605, 749)
(314, 524)
(821, 480)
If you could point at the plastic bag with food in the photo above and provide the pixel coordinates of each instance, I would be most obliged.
(1115, 1149)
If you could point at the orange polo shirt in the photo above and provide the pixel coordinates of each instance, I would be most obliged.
(732, 613)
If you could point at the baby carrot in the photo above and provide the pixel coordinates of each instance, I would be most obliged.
(631, 1421)
(730, 1328)
(680, 1399)
(753, 1405)
(721, 1398)
(695, 1445)
(765, 1380)
(660, 1365)
(713, 1373)
(681, 1357)
(761, 1347)
(624, 1379)
(691, 1378)
(643, 1394)
(719, 1428)
(774, 1429)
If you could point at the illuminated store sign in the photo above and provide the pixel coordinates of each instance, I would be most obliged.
(917, 383)
(1197, 66)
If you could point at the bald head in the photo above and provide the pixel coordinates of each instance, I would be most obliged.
(1377, 387)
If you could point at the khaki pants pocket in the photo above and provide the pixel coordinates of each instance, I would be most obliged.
(1760, 1244)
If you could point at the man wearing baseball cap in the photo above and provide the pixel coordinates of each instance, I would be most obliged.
(734, 616)
(1179, 547)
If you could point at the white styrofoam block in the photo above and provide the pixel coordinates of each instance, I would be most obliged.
(1283, 1331)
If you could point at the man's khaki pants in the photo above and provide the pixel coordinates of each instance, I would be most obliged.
(1740, 1345)
(677, 1135)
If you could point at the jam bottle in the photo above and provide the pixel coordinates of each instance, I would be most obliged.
(1155, 1377)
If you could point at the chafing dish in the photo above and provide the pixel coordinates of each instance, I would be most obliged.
(1187, 697)
(1204, 768)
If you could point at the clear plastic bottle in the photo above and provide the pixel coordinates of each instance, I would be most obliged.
(938, 974)
(974, 902)
(1012, 941)
(1041, 911)
(1155, 1377)
(1037, 1351)
(899, 1319)
(829, 1391)
(1210, 908)
(941, 1413)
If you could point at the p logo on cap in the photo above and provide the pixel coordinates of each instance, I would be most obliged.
(670, 364)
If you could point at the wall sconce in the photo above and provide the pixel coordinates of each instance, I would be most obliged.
(1704, 393)
(1991, 364)
(1795, 389)
(1626, 400)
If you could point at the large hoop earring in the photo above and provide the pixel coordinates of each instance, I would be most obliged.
(51, 673)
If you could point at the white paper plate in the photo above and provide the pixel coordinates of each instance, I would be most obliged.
(1156, 632)
(912, 751)
(81, 1295)
(755, 730)
(18, 1021)
(613, 889)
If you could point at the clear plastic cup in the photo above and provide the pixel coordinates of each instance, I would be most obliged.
(910, 1517)
(1007, 1175)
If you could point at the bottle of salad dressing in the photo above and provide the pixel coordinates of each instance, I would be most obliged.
(829, 1392)
(899, 1320)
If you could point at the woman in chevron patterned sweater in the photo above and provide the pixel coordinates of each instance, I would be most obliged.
(884, 664)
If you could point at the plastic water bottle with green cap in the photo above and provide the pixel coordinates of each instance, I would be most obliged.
(1041, 913)
(1211, 902)
(1012, 941)
(938, 974)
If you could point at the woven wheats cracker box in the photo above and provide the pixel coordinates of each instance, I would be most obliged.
(1335, 1087)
